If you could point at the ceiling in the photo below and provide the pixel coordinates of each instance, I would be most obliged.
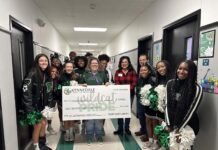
(112, 14)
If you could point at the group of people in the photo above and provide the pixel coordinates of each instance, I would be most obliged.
(182, 98)
(42, 87)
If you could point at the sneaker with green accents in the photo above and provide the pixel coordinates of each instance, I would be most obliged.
(100, 140)
(89, 141)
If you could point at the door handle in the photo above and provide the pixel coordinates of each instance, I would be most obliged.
(20, 43)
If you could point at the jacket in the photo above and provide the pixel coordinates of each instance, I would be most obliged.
(36, 94)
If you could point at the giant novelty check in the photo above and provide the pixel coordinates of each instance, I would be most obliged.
(96, 102)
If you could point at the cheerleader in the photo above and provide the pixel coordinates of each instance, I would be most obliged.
(66, 79)
(36, 95)
(183, 97)
(163, 76)
(147, 79)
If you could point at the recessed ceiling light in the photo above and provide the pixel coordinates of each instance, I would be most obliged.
(87, 29)
(88, 44)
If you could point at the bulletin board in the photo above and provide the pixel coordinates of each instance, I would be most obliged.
(208, 59)
(157, 52)
(41, 49)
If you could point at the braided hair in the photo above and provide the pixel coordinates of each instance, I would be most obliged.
(179, 108)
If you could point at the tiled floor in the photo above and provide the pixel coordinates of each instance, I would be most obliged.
(111, 142)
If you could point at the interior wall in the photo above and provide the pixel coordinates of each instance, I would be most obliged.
(26, 11)
(158, 15)
(7, 93)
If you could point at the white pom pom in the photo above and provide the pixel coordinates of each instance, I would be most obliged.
(47, 113)
(187, 137)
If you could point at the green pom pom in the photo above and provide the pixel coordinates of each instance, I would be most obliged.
(32, 118)
(163, 136)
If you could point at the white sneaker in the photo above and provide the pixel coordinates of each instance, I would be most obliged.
(51, 131)
(66, 137)
(147, 145)
(72, 137)
(155, 146)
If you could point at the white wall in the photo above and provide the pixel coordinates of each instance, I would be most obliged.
(26, 12)
(158, 15)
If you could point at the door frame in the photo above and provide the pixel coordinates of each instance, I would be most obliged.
(2, 126)
(179, 22)
(29, 54)
(148, 36)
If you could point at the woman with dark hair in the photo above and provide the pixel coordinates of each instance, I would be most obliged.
(163, 76)
(93, 76)
(80, 65)
(66, 79)
(145, 78)
(56, 62)
(36, 95)
(125, 75)
(183, 98)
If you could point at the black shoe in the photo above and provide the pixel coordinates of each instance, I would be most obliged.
(42, 141)
(127, 131)
(139, 133)
(118, 132)
(45, 148)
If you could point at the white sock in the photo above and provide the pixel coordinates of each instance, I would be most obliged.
(150, 140)
(68, 131)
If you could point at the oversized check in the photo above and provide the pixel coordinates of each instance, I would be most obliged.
(96, 102)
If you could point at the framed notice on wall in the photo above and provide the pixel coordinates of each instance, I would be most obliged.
(157, 52)
(207, 42)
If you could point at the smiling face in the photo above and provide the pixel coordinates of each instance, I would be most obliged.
(103, 64)
(142, 60)
(56, 62)
(54, 73)
(81, 63)
(182, 71)
(94, 65)
(68, 68)
(161, 68)
(43, 63)
(124, 64)
(144, 72)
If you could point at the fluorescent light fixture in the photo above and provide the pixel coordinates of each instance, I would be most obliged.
(87, 29)
(88, 44)
(87, 50)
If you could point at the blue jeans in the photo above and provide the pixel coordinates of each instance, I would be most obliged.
(94, 127)
(141, 116)
(127, 120)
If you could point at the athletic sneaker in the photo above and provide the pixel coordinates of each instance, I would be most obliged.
(35, 147)
(147, 145)
(66, 137)
(51, 130)
(155, 146)
(89, 141)
(100, 140)
(72, 137)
